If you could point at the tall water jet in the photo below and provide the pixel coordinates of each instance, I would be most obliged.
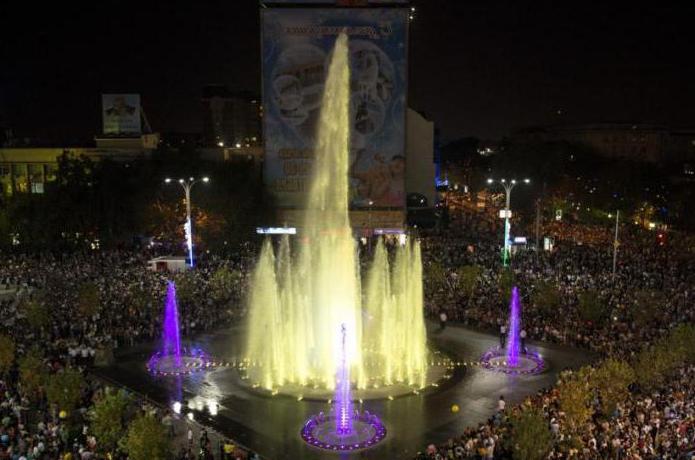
(513, 345)
(303, 295)
(171, 341)
(510, 359)
(343, 402)
(172, 358)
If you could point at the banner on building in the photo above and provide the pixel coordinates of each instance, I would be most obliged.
(121, 113)
(296, 46)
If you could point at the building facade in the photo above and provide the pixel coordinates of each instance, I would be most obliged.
(230, 119)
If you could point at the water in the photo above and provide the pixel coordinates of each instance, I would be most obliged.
(171, 341)
(513, 345)
(343, 402)
(303, 294)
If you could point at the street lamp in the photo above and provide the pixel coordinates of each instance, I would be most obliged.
(187, 185)
(508, 185)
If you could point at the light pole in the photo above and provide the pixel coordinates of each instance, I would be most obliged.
(508, 185)
(187, 185)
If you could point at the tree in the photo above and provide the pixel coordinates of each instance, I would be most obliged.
(32, 372)
(590, 306)
(468, 279)
(546, 296)
(36, 313)
(647, 306)
(505, 283)
(64, 389)
(146, 439)
(7, 351)
(575, 399)
(88, 299)
(185, 287)
(223, 284)
(531, 438)
(109, 419)
(612, 379)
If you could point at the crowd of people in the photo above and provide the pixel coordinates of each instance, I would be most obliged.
(129, 300)
(42, 311)
(649, 294)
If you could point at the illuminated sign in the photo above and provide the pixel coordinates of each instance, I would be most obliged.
(276, 230)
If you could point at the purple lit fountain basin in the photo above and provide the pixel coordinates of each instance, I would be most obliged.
(320, 432)
(496, 360)
(191, 360)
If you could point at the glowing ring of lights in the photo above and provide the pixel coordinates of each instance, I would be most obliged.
(532, 360)
(319, 432)
(192, 361)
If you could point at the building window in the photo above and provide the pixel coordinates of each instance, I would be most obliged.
(37, 187)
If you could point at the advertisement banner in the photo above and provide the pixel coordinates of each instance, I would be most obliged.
(121, 113)
(296, 47)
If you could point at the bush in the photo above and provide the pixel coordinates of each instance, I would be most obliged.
(468, 278)
(546, 297)
(590, 306)
(64, 389)
(612, 379)
(531, 438)
(88, 300)
(6, 354)
(36, 313)
(575, 399)
(505, 283)
(146, 439)
(32, 372)
(109, 418)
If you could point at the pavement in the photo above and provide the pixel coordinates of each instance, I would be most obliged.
(270, 425)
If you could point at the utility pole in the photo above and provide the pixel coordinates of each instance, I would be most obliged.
(615, 242)
(538, 224)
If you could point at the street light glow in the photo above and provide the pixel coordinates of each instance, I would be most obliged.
(206, 179)
(503, 180)
(527, 181)
(180, 181)
(167, 180)
(513, 181)
(489, 181)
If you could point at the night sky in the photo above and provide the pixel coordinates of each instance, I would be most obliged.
(477, 68)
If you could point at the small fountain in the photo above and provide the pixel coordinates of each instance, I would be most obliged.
(346, 430)
(512, 359)
(172, 359)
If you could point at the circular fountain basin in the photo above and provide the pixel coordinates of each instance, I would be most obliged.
(495, 359)
(320, 432)
(191, 360)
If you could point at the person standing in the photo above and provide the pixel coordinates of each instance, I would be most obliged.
(442, 320)
(501, 404)
(522, 336)
(503, 335)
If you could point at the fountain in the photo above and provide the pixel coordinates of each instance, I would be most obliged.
(304, 293)
(512, 359)
(172, 359)
(346, 430)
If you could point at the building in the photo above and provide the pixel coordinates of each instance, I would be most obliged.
(27, 170)
(419, 154)
(231, 119)
(639, 142)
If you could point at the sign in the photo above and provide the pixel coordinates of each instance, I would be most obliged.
(519, 240)
(276, 230)
(121, 113)
(296, 47)
(505, 213)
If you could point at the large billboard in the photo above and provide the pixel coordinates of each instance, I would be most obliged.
(296, 44)
(121, 113)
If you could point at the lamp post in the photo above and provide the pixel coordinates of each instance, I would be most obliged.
(508, 186)
(187, 185)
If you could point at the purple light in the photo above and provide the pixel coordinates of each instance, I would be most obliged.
(171, 342)
(513, 337)
(343, 406)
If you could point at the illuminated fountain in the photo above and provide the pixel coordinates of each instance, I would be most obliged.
(172, 359)
(345, 430)
(512, 359)
(302, 294)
